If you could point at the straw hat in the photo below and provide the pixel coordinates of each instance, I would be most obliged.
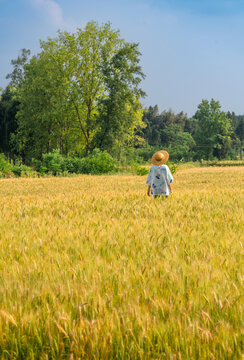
(160, 157)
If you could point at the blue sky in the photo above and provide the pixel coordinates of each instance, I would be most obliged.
(191, 49)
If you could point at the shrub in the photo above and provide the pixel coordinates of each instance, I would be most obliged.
(23, 170)
(99, 162)
(140, 170)
(70, 165)
(172, 166)
(52, 162)
(16, 169)
(5, 166)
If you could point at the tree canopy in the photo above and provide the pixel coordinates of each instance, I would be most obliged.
(80, 92)
(213, 130)
(83, 91)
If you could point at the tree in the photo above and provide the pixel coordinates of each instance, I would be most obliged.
(191, 126)
(8, 122)
(9, 103)
(237, 135)
(213, 130)
(45, 115)
(240, 134)
(71, 91)
(18, 74)
(120, 113)
(157, 124)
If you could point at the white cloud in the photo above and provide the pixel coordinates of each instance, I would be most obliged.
(51, 9)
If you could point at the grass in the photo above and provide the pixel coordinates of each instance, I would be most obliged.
(91, 268)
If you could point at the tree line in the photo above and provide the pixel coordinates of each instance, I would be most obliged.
(83, 92)
(210, 133)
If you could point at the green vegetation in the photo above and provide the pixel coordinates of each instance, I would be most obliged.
(211, 134)
(5, 166)
(55, 164)
(82, 92)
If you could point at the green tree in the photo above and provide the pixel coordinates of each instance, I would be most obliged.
(75, 89)
(213, 131)
(191, 126)
(45, 115)
(9, 103)
(156, 124)
(240, 134)
(18, 74)
(237, 134)
(120, 113)
(8, 122)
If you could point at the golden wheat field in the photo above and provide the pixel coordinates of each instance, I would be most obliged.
(91, 268)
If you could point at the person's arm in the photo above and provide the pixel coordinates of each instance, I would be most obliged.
(149, 190)
(170, 188)
(149, 179)
(169, 178)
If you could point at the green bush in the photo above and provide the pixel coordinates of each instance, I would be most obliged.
(172, 166)
(99, 162)
(140, 170)
(16, 169)
(52, 163)
(70, 165)
(37, 164)
(5, 166)
(23, 170)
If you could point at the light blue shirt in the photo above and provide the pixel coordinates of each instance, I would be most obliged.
(159, 179)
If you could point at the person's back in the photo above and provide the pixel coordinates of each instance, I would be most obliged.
(159, 177)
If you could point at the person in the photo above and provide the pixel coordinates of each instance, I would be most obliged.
(159, 178)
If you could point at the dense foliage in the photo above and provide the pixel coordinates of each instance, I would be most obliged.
(53, 163)
(82, 92)
(209, 134)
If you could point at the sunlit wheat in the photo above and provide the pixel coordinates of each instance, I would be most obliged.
(91, 268)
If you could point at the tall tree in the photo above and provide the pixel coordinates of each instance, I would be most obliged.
(45, 112)
(213, 131)
(156, 124)
(69, 92)
(8, 122)
(240, 134)
(18, 74)
(9, 103)
(120, 113)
